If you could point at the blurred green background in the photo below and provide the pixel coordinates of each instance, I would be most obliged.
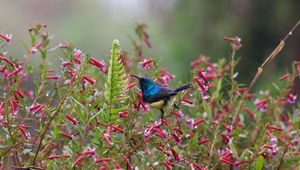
(179, 30)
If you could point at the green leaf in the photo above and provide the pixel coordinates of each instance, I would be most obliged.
(93, 117)
(77, 102)
(115, 88)
(259, 163)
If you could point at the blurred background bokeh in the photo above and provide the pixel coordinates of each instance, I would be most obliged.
(179, 30)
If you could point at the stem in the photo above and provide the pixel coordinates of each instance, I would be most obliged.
(49, 123)
(272, 56)
(213, 144)
(281, 159)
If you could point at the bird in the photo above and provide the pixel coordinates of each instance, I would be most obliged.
(158, 97)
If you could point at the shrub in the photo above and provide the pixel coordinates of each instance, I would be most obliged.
(88, 115)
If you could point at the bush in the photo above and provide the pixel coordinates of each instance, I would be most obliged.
(87, 115)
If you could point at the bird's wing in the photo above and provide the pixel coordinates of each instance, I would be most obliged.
(161, 94)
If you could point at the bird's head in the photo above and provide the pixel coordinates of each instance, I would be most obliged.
(145, 83)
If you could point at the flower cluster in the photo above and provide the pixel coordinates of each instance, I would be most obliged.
(59, 117)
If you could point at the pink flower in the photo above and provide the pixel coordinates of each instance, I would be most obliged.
(14, 110)
(76, 56)
(261, 105)
(292, 98)
(176, 155)
(90, 152)
(88, 79)
(98, 64)
(128, 162)
(225, 137)
(165, 77)
(130, 85)
(198, 122)
(203, 141)
(64, 45)
(6, 60)
(18, 93)
(227, 161)
(274, 128)
(203, 88)
(35, 48)
(70, 137)
(73, 120)
(228, 128)
(67, 63)
(6, 37)
(22, 129)
(176, 138)
(123, 114)
(78, 160)
(187, 100)
(52, 77)
(190, 122)
(51, 157)
(36, 108)
(14, 72)
(235, 42)
(250, 113)
(284, 77)
(179, 115)
(106, 136)
(147, 63)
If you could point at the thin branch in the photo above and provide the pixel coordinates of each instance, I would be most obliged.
(260, 69)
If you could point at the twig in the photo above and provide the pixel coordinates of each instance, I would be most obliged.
(260, 69)
(49, 123)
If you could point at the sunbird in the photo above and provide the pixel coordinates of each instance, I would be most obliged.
(159, 97)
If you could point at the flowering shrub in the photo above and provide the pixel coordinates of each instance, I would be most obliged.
(88, 114)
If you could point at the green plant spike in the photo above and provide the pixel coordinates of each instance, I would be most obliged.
(116, 94)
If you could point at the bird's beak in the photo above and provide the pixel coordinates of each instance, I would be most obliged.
(132, 75)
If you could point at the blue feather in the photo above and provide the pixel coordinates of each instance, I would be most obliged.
(153, 93)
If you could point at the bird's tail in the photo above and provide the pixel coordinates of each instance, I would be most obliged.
(182, 88)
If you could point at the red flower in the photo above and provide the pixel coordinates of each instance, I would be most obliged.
(14, 72)
(6, 37)
(6, 60)
(51, 157)
(186, 100)
(147, 63)
(250, 113)
(73, 120)
(76, 56)
(22, 128)
(130, 85)
(128, 162)
(202, 87)
(98, 64)
(198, 122)
(203, 141)
(70, 137)
(274, 128)
(64, 45)
(78, 160)
(284, 77)
(176, 155)
(227, 161)
(235, 42)
(52, 77)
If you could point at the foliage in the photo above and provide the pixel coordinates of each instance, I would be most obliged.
(116, 91)
(89, 116)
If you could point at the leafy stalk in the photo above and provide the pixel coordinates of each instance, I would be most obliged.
(116, 94)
